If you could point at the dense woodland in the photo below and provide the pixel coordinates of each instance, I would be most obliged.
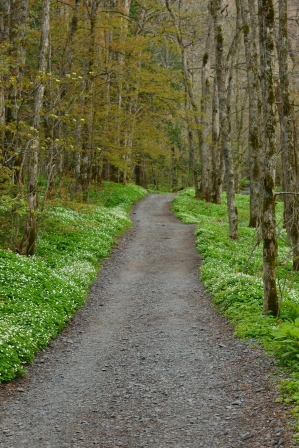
(166, 94)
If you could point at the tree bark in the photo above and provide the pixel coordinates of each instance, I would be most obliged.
(288, 149)
(266, 36)
(205, 154)
(191, 159)
(174, 174)
(15, 14)
(225, 128)
(254, 133)
(88, 107)
(27, 245)
(4, 33)
(189, 101)
(217, 176)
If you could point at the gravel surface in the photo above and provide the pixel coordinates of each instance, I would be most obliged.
(147, 362)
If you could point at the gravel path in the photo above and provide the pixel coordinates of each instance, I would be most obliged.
(147, 362)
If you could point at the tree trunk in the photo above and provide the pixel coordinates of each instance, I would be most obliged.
(205, 154)
(77, 156)
(84, 179)
(240, 112)
(254, 134)
(189, 101)
(288, 149)
(4, 32)
(27, 245)
(192, 159)
(14, 31)
(137, 170)
(225, 128)
(88, 107)
(174, 175)
(266, 33)
(217, 178)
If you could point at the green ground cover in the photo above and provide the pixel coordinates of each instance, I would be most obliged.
(40, 294)
(232, 272)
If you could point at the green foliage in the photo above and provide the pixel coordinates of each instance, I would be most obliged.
(39, 295)
(289, 391)
(113, 195)
(175, 132)
(12, 214)
(286, 342)
(289, 311)
(286, 335)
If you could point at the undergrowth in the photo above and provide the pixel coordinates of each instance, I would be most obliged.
(232, 272)
(40, 294)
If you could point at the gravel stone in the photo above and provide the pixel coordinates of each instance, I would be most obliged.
(147, 362)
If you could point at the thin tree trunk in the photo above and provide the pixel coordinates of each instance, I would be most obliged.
(14, 30)
(27, 246)
(240, 111)
(174, 176)
(88, 106)
(191, 158)
(217, 178)
(124, 8)
(266, 35)
(205, 154)
(254, 134)
(4, 32)
(77, 155)
(190, 99)
(288, 149)
(224, 121)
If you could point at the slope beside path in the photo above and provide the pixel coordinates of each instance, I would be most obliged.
(147, 362)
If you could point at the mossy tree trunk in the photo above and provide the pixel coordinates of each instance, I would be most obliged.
(266, 35)
(205, 154)
(4, 36)
(288, 149)
(224, 114)
(254, 132)
(217, 177)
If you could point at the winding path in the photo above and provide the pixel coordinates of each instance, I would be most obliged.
(147, 362)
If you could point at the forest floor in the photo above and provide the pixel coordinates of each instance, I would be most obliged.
(147, 362)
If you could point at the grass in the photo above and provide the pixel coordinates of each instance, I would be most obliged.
(40, 294)
(232, 272)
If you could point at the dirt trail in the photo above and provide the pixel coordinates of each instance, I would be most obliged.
(147, 362)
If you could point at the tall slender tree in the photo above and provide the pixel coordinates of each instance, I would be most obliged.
(266, 39)
(254, 132)
(217, 159)
(224, 111)
(27, 246)
(205, 106)
(288, 150)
